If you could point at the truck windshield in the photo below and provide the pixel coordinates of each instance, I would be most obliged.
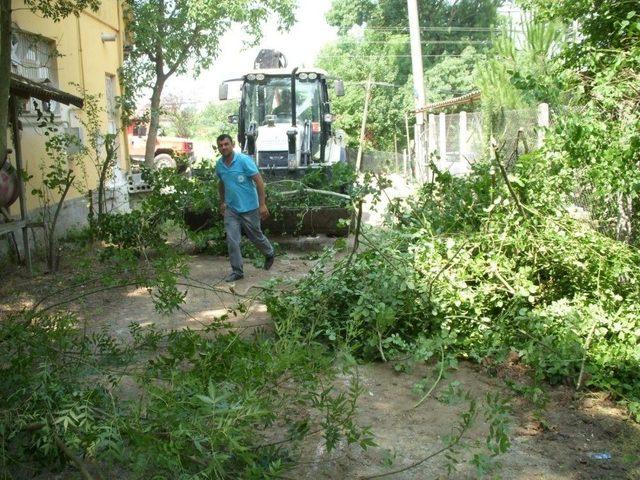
(272, 96)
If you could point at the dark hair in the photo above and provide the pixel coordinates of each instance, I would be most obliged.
(222, 137)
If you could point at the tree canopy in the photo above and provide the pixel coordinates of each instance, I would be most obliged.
(176, 36)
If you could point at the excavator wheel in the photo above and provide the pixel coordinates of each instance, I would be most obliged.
(164, 160)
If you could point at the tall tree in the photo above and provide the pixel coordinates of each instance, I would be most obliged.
(463, 19)
(173, 37)
(53, 9)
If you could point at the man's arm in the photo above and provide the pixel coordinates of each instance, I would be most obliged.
(264, 212)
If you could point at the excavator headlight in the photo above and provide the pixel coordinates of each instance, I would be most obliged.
(260, 76)
(303, 76)
(313, 76)
(251, 77)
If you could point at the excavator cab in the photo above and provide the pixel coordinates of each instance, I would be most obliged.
(285, 120)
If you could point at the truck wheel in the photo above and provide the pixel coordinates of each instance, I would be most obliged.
(164, 160)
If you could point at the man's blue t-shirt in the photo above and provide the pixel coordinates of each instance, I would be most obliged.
(240, 193)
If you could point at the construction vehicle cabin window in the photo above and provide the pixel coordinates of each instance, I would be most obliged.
(272, 96)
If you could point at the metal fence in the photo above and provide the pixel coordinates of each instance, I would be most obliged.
(380, 162)
(454, 141)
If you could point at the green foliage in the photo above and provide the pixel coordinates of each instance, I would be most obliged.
(392, 14)
(354, 60)
(58, 177)
(187, 32)
(181, 117)
(613, 26)
(141, 235)
(213, 120)
(338, 178)
(516, 77)
(198, 407)
(183, 35)
(462, 262)
(595, 139)
(172, 194)
(191, 205)
(452, 76)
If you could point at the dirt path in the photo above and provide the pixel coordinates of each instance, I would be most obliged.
(208, 298)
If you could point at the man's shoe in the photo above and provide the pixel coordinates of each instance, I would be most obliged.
(268, 262)
(233, 276)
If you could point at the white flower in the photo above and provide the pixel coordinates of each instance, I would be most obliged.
(167, 190)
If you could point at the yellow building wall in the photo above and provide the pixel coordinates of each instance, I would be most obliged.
(83, 64)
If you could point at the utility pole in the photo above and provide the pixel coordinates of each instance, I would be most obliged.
(363, 127)
(418, 84)
(368, 87)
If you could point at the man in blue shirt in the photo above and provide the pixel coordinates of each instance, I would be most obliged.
(242, 203)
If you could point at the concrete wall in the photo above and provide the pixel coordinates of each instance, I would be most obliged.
(83, 64)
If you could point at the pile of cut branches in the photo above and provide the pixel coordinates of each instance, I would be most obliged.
(492, 265)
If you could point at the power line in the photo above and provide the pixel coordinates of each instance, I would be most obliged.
(402, 56)
(437, 29)
(426, 42)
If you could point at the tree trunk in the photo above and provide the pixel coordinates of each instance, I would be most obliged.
(52, 261)
(5, 71)
(154, 122)
(109, 146)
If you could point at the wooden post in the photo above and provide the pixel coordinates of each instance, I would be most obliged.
(5, 68)
(363, 127)
(418, 166)
(543, 123)
(406, 126)
(404, 162)
(15, 129)
(463, 133)
(395, 151)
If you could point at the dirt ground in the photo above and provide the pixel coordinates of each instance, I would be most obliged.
(574, 429)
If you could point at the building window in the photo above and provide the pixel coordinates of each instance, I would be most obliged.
(34, 57)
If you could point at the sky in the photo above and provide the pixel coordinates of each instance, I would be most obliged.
(300, 45)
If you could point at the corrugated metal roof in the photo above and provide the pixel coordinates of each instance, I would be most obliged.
(26, 88)
(468, 98)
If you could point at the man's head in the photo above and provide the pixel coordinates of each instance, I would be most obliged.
(285, 98)
(225, 145)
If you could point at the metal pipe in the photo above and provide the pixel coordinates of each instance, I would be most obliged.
(293, 96)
